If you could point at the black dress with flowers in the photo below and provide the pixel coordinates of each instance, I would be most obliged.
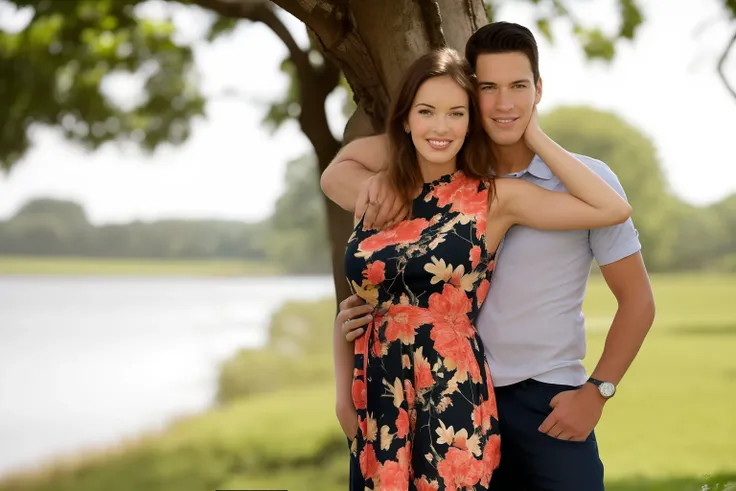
(426, 408)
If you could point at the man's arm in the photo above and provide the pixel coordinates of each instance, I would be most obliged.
(618, 252)
(629, 283)
(354, 181)
(353, 165)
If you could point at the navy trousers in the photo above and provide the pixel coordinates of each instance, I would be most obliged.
(532, 460)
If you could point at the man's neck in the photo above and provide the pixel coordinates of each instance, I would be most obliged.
(512, 158)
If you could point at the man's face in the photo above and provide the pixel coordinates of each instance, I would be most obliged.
(507, 95)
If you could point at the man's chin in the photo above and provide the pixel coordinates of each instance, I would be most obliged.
(505, 140)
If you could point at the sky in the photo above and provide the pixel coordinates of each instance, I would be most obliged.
(664, 83)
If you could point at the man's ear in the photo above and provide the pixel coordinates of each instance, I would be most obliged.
(538, 95)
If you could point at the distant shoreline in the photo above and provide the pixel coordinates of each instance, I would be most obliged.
(90, 266)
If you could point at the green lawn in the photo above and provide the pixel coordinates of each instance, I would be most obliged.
(671, 427)
(10, 265)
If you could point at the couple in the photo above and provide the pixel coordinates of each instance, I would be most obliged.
(446, 379)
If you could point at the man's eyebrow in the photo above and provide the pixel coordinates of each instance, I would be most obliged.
(520, 81)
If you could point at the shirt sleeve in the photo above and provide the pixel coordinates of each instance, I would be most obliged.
(611, 244)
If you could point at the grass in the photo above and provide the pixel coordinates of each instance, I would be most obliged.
(671, 427)
(75, 266)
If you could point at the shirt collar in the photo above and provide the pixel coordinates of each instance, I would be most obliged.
(537, 168)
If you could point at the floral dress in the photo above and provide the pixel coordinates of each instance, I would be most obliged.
(422, 389)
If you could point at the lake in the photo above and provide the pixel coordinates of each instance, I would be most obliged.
(86, 362)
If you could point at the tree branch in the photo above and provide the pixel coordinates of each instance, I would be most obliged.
(260, 11)
(722, 62)
(323, 17)
(433, 22)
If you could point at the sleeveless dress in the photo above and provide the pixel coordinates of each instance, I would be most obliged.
(423, 392)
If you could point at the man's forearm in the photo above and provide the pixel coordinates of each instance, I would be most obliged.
(342, 181)
(630, 326)
(344, 367)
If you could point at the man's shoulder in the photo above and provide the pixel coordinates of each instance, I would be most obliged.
(599, 167)
(596, 165)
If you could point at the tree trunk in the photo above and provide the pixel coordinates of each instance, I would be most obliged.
(373, 42)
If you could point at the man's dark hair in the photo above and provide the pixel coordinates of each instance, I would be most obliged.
(503, 37)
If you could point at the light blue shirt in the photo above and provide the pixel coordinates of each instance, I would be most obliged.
(532, 323)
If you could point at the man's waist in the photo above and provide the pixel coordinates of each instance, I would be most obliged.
(569, 372)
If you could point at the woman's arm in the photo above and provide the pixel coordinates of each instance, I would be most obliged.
(591, 202)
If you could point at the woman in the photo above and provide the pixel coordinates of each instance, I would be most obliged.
(415, 397)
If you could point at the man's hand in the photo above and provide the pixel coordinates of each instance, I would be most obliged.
(354, 314)
(575, 413)
(380, 202)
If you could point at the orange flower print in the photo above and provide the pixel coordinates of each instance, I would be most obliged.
(369, 466)
(471, 203)
(394, 477)
(402, 423)
(459, 469)
(360, 395)
(402, 322)
(475, 256)
(449, 310)
(423, 378)
(446, 194)
(482, 291)
(423, 485)
(403, 233)
(374, 272)
(491, 459)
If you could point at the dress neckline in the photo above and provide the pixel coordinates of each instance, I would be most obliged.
(445, 178)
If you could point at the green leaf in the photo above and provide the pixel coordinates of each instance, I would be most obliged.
(544, 28)
(595, 44)
(631, 18)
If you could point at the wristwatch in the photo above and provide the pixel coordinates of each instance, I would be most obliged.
(607, 389)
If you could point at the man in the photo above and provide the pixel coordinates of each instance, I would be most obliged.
(531, 323)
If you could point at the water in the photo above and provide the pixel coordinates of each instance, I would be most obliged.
(86, 362)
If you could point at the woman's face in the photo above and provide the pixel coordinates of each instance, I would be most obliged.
(438, 121)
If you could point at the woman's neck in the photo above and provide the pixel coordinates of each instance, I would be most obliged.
(431, 171)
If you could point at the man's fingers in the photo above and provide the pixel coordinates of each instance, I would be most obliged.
(370, 215)
(548, 423)
(353, 335)
(558, 432)
(372, 200)
(352, 327)
(361, 203)
(384, 213)
(350, 302)
(393, 211)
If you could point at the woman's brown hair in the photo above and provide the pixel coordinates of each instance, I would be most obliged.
(474, 158)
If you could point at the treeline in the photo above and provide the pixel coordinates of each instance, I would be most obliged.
(294, 236)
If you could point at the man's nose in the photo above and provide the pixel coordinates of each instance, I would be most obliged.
(504, 102)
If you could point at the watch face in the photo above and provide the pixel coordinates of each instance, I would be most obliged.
(607, 389)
